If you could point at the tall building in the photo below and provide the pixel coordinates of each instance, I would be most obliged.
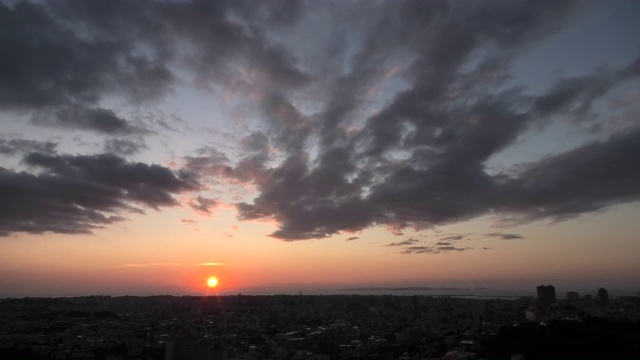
(573, 297)
(546, 295)
(603, 297)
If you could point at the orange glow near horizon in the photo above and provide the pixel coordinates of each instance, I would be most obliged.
(160, 263)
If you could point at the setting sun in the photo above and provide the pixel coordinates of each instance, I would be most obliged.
(212, 281)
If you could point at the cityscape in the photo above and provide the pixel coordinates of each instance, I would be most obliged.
(321, 327)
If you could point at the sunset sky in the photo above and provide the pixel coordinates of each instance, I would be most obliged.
(315, 145)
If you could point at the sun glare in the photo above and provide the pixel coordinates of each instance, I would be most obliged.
(212, 281)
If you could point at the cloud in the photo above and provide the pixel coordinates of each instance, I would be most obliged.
(352, 238)
(504, 236)
(151, 265)
(453, 237)
(586, 179)
(279, 13)
(257, 142)
(50, 61)
(354, 181)
(419, 250)
(392, 126)
(63, 58)
(124, 147)
(231, 231)
(438, 249)
(208, 162)
(446, 137)
(212, 264)
(310, 204)
(170, 264)
(76, 194)
(290, 126)
(404, 243)
(23, 146)
(576, 95)
(79, 117)
(449, 248)
(203, 205)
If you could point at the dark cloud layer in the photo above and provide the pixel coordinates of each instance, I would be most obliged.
(357, 181)
(417, 158)
(588, 178)
(75, 194)
(61, 58)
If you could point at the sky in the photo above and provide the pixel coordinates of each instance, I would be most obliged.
(282, 146)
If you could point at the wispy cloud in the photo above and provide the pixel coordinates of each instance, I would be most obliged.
(171, 264)
(504, 236)
(212, 264)
(453, 237)
(432, 249)
(409, 241)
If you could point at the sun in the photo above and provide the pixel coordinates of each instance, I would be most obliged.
(212, 281)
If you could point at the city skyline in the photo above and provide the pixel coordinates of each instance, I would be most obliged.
(222, 147)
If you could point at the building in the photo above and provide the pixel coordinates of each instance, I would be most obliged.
(573, 297)
(546, 295)
(603, 297)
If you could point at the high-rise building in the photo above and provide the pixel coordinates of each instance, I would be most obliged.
(603, 297)
(573, 297)
(546, 295)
